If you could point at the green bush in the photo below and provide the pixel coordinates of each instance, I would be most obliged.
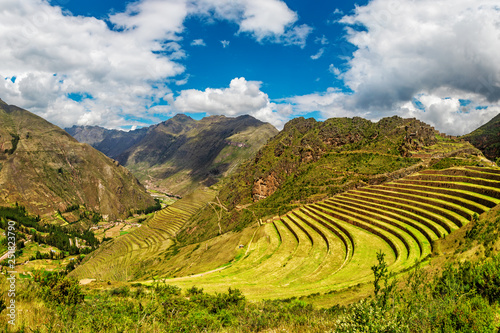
(58, 289)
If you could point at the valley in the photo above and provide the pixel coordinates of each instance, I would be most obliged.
(305, 216)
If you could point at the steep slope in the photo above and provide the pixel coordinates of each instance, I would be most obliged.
(309, 161)
(487, 138)
(44, 169)
(341, 190)
(110, 142)
(180, 154)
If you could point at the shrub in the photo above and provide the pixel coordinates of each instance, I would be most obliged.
(59, 289)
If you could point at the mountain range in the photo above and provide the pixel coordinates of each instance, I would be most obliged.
(181, 154)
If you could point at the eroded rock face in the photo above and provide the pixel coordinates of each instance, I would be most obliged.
(264, 187)
(418, 135)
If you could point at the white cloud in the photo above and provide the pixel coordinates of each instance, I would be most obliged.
(420, 46)
(120, 73)
(241, 97)
(334, 70)
(448, 115)
(332, 103)
(198, 42)
(225, 43)
(183, 81)
(265, 20)
(322, 40)
(437, 51)
(296, 36)
(318, 55)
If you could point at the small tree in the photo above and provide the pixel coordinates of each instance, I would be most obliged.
(379, 271)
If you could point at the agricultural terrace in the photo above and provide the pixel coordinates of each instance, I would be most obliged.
(331, 245)
(130, 255)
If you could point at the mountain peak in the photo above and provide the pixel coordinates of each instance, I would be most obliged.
(181, 117)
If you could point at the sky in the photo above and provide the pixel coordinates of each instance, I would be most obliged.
(128, 64)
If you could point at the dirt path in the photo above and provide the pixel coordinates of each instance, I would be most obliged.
(86, 281)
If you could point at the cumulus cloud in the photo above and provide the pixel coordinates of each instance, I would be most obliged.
(332, 103)
(119, 72)
(434, 51)
(225, 43)
(241, 97)
(265, 20)
(410, 47)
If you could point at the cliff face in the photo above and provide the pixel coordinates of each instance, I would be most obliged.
(44, 169)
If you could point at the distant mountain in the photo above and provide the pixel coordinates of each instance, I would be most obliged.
(111, 142)
(180, 154)
(487, 138)
(44, 169)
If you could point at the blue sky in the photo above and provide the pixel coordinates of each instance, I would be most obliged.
(284, 70)
(124, 64)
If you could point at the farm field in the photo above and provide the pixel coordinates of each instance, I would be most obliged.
(136, 252)
(332, 244)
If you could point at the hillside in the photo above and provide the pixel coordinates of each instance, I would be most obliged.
(487, 138)
(179, 154)
(309, 161)
(366, 213)
(319, 161)
(46, 170)
(455, 291)
(110, 142)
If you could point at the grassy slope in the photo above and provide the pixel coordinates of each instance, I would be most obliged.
(309, 161)
(290, 256)
(140, 253)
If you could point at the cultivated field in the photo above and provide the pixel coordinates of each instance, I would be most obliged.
(138, 252)
(332, 244)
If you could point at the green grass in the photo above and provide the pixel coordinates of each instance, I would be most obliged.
(128, 256)
(320, 248)
(331, 245)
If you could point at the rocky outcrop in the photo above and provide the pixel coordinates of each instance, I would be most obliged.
(417, 136)
(264, 187)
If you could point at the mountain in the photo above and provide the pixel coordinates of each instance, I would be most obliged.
(309, 161)
(345, 187)
(180, 154)
(487, 138)
(44, 169)
(110, 142)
